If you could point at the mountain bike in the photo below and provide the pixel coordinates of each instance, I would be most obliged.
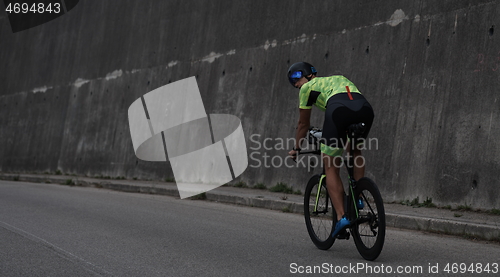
(363, 205)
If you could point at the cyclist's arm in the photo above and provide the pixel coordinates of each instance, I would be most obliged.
(302, 126)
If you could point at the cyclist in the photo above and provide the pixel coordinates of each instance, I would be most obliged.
(343, 105)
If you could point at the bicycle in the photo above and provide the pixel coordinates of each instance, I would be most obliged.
(367, 220)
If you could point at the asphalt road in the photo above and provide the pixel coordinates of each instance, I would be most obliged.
(54, 230)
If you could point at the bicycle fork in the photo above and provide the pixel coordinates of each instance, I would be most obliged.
(319, 192)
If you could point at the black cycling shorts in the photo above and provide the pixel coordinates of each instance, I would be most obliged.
(340, 113)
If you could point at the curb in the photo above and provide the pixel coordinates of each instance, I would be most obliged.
(444, 226)
(395, 220)
(282, 205)
(88, 182)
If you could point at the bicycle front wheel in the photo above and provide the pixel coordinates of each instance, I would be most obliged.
(319, 213)
(368, 231)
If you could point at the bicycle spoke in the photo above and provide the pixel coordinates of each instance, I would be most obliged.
(369, 227)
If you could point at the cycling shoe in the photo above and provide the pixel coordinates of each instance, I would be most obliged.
(340, 226)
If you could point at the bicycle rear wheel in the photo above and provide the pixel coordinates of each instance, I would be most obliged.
(368, 231)
(320, 221)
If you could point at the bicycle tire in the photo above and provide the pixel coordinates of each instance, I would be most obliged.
(320, 224)
(368, 231)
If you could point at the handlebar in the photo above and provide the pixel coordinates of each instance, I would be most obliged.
(314, 136)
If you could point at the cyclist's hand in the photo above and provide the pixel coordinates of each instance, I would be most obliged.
(293, 154)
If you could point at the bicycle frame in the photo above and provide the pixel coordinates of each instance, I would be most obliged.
(353, 138)
(350, 172)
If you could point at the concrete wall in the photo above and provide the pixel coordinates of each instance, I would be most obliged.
(430, 69)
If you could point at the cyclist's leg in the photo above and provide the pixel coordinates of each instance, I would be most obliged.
(365, 115)
(331, 149)
(359, 164)
(332, 161)
(334, 183)
(362, 111)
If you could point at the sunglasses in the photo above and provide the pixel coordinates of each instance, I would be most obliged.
(294, 77)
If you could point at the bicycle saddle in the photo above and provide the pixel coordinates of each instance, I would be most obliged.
(356, 130)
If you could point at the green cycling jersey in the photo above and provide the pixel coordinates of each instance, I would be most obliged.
(318, 90)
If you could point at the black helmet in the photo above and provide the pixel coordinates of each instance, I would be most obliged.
(298, 70)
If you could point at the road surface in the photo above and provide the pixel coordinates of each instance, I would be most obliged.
(54, 230)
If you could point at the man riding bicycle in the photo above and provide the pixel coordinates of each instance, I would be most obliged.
(343, 105)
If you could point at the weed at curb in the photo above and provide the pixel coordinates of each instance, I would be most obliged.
(465, 207)
(287, 209)
(281, 187)
(240, 184)
(428, 203)
(201, 196)
(416, 203)
(494, 211)
(259, 186)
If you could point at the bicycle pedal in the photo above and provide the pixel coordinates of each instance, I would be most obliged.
(344, 235)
